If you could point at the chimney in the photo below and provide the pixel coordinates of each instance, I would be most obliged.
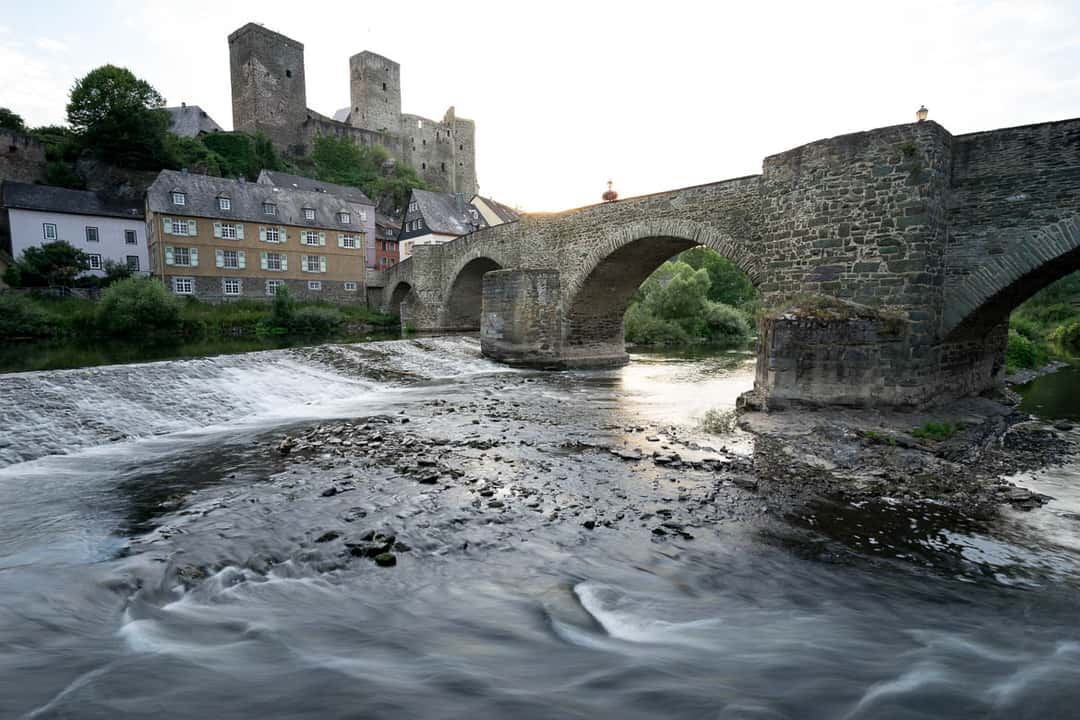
(183, 104)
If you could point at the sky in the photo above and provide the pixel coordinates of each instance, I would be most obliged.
(567, 95)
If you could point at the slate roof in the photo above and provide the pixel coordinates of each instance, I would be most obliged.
(247, 200)
(190, 121)
(342, 115)
(386, 221)
(443, 215)
(24, 196)
(506, 214)
(299, 182)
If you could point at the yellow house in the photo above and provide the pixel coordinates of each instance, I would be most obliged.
(220, 239)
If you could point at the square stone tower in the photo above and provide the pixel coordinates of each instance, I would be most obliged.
(375, 93)
(269, 92)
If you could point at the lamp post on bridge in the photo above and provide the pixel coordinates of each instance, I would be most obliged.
(610, 196)
(921, 113)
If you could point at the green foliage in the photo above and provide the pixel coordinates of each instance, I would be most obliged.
(20, 317)
(137, 305)
(1067, 336)
(934, 431)
(119, 117)
(59, 173)
(1023, 353)
(719, 422)
(240, 155)
(114, 273)
(674, 305)
(316, 320)
(341, 161)
(10, 120)
(191, 153)
(59, 141)
(281, 311)
(54, 264)
(727, 283)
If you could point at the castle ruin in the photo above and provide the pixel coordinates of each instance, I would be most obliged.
(269, 94)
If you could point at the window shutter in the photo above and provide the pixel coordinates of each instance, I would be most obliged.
(241, 261)
(322, 238)
(168, 256)
(262, 235)
(194, 257)
(340, 240)
(219, 258)
(191, 228)
(363, 239)
(322, 263)
(262, 258)
(284, 234)
(166, 224)
(284, 262)
(217, 230)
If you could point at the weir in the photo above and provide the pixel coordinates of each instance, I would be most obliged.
(888, 261)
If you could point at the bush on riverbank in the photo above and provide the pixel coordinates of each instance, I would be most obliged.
(674, 305)
(1046, 325)
(140, 307)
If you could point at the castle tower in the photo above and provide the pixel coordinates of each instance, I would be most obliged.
(375, 93)
(269, 92)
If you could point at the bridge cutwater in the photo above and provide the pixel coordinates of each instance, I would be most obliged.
(887, 261)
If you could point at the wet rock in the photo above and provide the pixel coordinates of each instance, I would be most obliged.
(495, 504)
(426, 463)
(659, 531)
(327, 536)
(286, 446)
(329, 492)
(626, 454)
(386, 559)
(746, 483)
(1063, 425)
(589, 524)
(430, 479)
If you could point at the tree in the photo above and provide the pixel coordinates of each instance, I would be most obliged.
(137, 305)
(54, 264)
(341, 161)
(120, 118)
(10, 120)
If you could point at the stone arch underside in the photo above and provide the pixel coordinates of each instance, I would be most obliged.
(465, 295)
(398, 295)
(987, 295)
(596, 300)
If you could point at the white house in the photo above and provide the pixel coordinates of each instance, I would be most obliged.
(103, 228)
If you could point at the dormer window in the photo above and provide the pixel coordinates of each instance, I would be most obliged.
(269, 209)
(344, 218)
(224, 203)
(179, 198)
(309, 213)
(414, 206)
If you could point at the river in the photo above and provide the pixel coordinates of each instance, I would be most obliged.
(159, 558)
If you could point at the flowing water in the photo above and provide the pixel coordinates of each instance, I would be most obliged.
(157, 558)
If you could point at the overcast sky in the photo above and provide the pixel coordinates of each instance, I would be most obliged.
(654, 95)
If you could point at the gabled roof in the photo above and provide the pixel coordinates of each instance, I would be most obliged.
(504, 213)
(246, 200)
(45, 198)
(387, 221)
(299, 182)
(447, 213)
(342, 115)
(190, 121)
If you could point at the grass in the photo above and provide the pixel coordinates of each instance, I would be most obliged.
(934, 430)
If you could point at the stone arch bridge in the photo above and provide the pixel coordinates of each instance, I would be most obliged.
(888, 262)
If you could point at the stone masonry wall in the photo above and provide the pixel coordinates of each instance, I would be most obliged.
(22, 158)
(269, 89)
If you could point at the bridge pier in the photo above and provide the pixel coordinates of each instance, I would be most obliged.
(520, 322)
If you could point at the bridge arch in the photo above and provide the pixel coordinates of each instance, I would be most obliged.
(596, 298)
(464, 297)
(398, 296)
(987, 295)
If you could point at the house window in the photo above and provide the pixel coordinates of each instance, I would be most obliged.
(130, 238)
(183, 286)
(91, 234)
(269, 209)
(363, 216)
(344, 218)
(228, 231)
(273, 261)
(179, 227)
(314, 285)
(181, 256)
(48, 231)
(313, 263)
(179, 198)
(309, 213)
(230, 259)
(224, 203)
(348, 241)
(95, 261)
(231, 286)
(350, 286)
(273, 235)
(272, 286)
(133, 263)
(310, 237)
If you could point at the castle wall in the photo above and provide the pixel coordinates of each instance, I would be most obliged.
(374, 92)
(22, 158)
(269, 89)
